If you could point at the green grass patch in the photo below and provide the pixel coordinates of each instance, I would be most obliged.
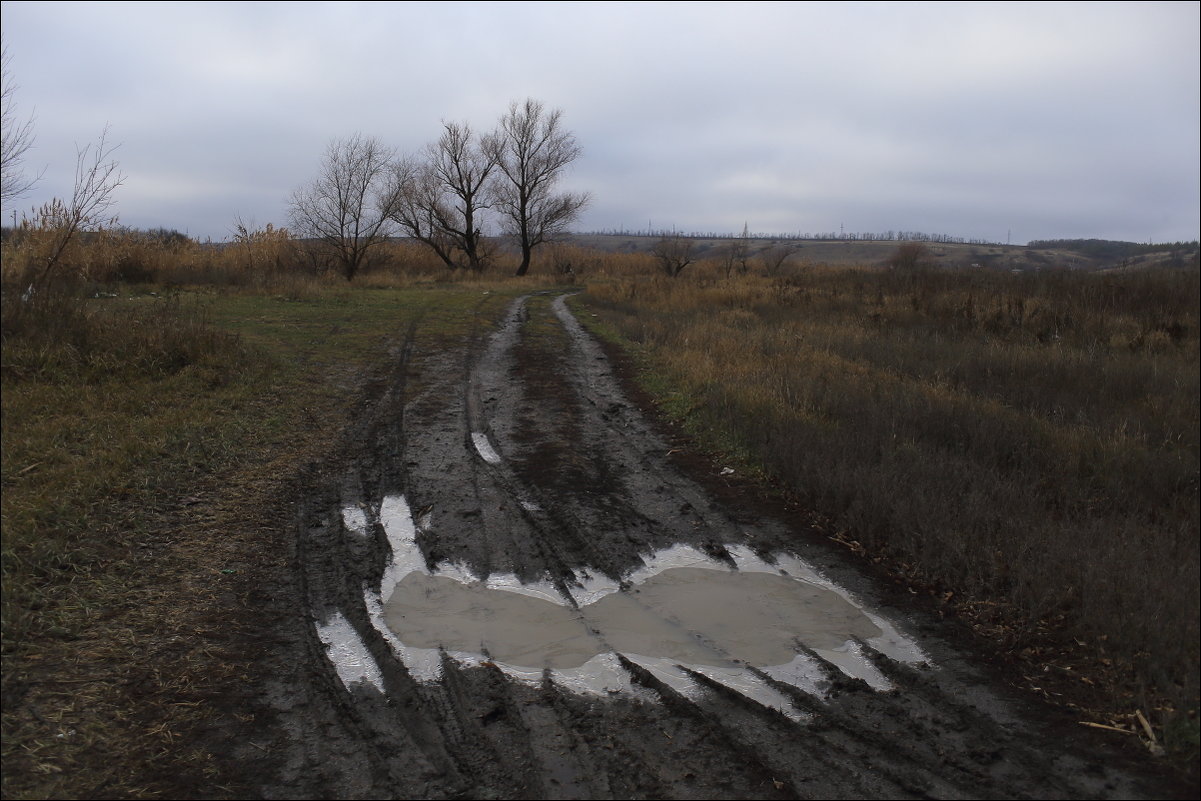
(123, 422)
(90, 453)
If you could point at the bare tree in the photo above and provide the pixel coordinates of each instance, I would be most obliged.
(460, 166)
(420, 209)
(17, 139)
(742, 253)
(532, 150)
(348, 207)
(775, 255)
(674, 253)
(735, 254)
(97, 177)
(441, 202)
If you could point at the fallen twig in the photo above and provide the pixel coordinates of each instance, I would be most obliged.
(1146, 726)
(1103, 726)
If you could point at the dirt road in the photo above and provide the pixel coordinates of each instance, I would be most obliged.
(511, 586)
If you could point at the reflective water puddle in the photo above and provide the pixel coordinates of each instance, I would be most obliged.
(680, 615)
(354, 663)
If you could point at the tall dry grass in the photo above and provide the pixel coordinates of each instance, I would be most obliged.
(53, 291)
(1028, 439)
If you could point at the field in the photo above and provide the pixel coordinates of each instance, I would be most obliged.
(1026, 444)
(864, 253)
(1013, 451)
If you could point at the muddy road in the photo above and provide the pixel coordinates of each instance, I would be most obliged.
(512, 586)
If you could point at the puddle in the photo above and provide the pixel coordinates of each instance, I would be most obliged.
(686, 614)
(349, 654)
(355, 520)
(397, 520)
(485, 449)
(681, 614)
(518, 629)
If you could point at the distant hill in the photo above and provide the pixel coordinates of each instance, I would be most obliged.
(1113, 250)
(1078, 254)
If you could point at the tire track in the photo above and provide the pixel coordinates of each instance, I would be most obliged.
(521, 462)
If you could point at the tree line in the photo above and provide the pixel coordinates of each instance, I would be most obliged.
(830, 236)
(445, 196)
(1110, 248)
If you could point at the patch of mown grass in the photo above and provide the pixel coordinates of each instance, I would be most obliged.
(140, 493)
(1026, 443)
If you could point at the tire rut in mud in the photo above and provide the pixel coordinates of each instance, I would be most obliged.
(520, 464)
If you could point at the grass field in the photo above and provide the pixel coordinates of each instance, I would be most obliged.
(1023, 447)
(1024, 444)
(148, 446)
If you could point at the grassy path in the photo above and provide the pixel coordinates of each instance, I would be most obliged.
(144, 508)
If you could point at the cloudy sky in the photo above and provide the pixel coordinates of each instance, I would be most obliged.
(981, 120)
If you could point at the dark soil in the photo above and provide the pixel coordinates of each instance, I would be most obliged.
(589, 481)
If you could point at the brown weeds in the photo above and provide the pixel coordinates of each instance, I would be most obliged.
(1031, 439)
(1025, 444)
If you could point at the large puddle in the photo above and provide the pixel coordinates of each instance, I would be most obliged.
(680, 615)
(686, 614)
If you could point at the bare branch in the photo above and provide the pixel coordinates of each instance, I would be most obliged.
(441, 200)
(532, 151)
(348, 207)
(674, 253)
(18, 138)
(97, 177)
(775, 256)
(419, 210)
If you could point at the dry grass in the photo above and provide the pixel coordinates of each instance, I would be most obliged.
(151, 439)
(1029, 441)
(268, 260)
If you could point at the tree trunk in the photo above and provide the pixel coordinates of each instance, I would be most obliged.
(526, 252)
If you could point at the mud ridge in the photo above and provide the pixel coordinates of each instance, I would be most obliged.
(512, 590)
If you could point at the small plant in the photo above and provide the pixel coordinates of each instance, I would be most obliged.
(909, 256)
(673, 253)
(97, 177)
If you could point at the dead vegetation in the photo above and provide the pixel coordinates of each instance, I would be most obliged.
(151, 432)
(1025, 443)
(1022, 447)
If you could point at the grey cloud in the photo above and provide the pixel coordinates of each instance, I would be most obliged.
(969, 119)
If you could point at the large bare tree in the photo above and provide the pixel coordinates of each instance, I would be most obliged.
(441, 201)
(532, 150)
(17, 139)
(421, 209)
(348, 207)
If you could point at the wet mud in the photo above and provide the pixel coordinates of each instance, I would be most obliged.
(511, 587)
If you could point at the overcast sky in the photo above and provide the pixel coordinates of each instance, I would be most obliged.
(985, 121)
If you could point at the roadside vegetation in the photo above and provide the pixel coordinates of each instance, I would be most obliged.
(153, 434)
(1022, 447)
